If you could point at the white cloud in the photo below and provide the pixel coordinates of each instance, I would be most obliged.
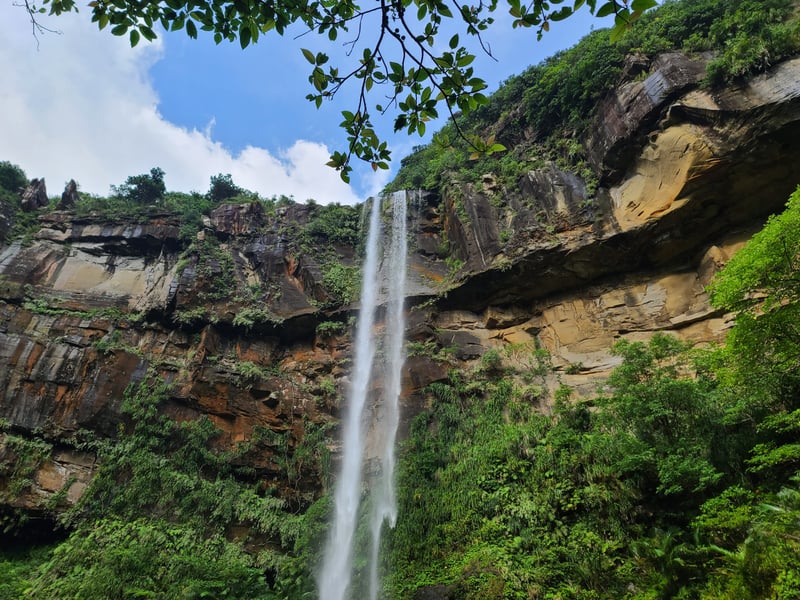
(82, 107)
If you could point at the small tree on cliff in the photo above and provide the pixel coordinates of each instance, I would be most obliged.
(148, 188)
(12, 179)
(222, 188)
(395, 46)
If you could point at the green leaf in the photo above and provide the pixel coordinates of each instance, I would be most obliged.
(191, 29)
(561, 14)
(318, 79)
(466, 60)
(309, 56)
(609, 8)
(134, 38)
(642, 5)
(244, 36)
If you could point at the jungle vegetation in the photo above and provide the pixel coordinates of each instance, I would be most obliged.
(679, 479)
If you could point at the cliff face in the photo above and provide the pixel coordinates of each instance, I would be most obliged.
(245, 325)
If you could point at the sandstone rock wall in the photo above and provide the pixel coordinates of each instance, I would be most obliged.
(230, 318)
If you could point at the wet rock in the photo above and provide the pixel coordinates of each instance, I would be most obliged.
(435, 592)
(471, 228)
(465, 345)
(558, 193)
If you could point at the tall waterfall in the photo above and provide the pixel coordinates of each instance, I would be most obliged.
(384, 500)
(337, 567)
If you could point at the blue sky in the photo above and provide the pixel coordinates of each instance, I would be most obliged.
(84, 105)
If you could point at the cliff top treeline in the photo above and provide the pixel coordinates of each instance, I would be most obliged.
(140, 197)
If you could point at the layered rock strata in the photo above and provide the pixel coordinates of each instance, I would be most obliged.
(232, 317)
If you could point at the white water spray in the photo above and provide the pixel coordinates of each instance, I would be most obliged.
(335, 577)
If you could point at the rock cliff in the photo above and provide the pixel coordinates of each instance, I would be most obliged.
(252, 330)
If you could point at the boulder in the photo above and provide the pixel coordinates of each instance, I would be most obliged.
(70, 197)
(238, 219)
(34, 196)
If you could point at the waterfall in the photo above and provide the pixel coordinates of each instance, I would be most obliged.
(337, 567)
(384, 501)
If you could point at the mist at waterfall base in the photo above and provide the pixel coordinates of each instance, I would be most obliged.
(364, 412)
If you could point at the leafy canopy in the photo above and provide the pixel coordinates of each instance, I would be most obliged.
(395, 47)
(12, 179)
(147, 188)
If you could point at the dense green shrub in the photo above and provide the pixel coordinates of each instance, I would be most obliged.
(145, 189)
(18, 568)
(155, 521)
(334, 224)
(12, 179)
(222, 188)
(342, 283)
(752, 38)
(667, 424)
(330, 328)
(147, 558)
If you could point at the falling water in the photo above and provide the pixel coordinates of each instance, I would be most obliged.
(384, 501)
(334, 579)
